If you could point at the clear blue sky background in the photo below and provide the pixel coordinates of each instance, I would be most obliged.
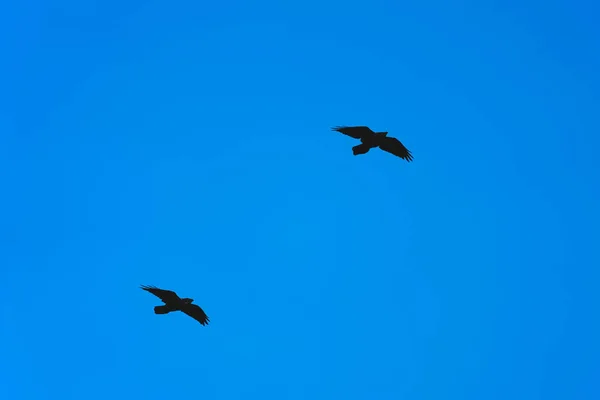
(187, 145)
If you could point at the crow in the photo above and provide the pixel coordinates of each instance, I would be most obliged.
(370, 140)
(175, 303)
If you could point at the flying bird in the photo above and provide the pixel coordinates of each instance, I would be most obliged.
(370, 140)
(175, 303)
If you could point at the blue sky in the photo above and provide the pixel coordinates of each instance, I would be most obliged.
(187, 145)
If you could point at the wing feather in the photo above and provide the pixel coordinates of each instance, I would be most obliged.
(197, 313)
(395, 147)
(167, 296)
(357, 132)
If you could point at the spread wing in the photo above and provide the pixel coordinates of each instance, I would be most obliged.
(394, 146)
(357, 132)
(167, 296)
(197, 313)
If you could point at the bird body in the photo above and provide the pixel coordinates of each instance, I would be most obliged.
(370, 140)
(175, 303)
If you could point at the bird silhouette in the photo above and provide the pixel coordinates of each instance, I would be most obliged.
(370, 140)
(175, 303)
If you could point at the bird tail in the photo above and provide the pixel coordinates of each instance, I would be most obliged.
(361, 149)
(161, 310)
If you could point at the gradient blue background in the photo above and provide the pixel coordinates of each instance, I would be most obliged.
(187, 145)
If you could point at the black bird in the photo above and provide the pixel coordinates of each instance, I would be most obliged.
(175, 303)
(370, 140)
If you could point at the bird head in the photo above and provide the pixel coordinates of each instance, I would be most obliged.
(382, 133)
(187, 300)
